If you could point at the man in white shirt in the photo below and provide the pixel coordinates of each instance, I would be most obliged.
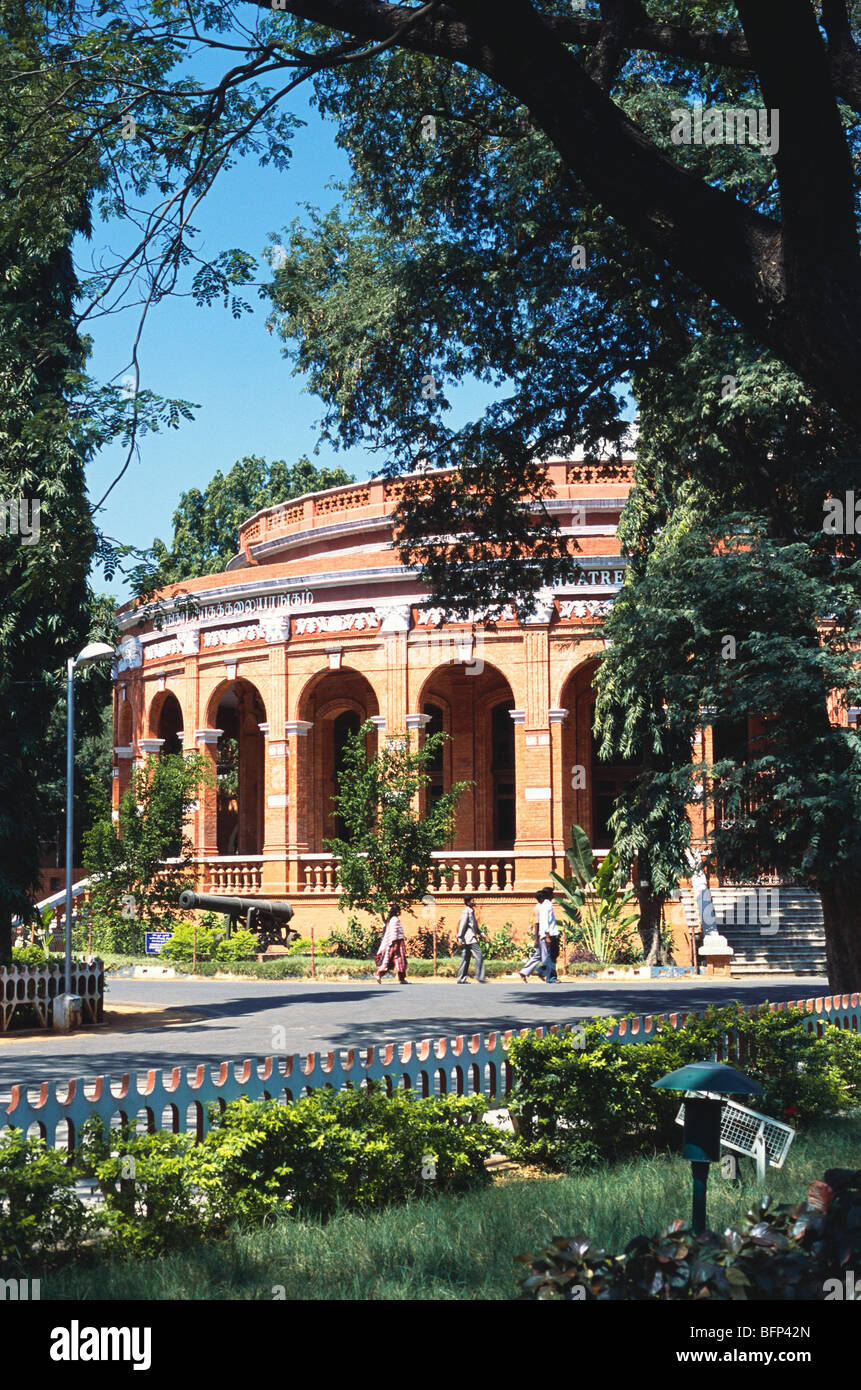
(548, 938)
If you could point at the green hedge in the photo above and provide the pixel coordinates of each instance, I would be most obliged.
(329, 968)
(329, 1151)
(579, 1099)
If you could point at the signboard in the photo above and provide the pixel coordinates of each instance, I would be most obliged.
(155, 940)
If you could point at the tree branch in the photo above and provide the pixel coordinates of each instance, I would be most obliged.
(813, 163)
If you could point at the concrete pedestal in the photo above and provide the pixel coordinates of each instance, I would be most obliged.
(68, 1012)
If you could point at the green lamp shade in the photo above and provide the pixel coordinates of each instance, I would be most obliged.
(708, 1076)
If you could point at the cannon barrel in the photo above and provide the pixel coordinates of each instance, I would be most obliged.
(236, 907)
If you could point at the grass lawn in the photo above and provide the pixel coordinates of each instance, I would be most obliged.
(454, 1248)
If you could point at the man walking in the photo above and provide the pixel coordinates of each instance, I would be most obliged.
(548, 936)
(538, 952)
(468, 936)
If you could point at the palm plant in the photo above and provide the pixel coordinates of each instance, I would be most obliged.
(594, 901)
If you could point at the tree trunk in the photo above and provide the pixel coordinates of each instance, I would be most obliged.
(841, 910)
(6, 915)
(650, 905)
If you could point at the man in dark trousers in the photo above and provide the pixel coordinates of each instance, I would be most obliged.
(468, 935)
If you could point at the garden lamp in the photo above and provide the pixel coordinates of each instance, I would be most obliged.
(95, 651)
(705, 1084)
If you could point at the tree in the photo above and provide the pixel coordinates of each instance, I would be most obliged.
(769, 232)
(794, 280)
(46, 538)
(205, 523)
(386, 852)
(141, 863)
(739, 608)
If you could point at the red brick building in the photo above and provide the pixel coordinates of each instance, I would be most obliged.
(314, 628)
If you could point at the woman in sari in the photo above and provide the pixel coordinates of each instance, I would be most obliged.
(392, 953)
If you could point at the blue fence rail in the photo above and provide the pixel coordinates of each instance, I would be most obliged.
(177, 1099)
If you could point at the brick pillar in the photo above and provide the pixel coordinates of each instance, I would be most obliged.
(122, 773)
(415, 732)
(394, 630)
(299, 781)
(532, 743)
(559, 830)
(207, 818)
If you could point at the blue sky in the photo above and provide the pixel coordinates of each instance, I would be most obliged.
(250, 402)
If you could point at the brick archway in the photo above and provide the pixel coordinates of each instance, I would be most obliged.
(166, 721)
(328, 703)
(236, 708)
(468, 703)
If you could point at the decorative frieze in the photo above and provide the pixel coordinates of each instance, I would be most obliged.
(232, 636)
(364, 621)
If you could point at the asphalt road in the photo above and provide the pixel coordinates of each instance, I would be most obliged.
(184, 1022)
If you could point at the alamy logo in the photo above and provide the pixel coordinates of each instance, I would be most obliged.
(718, 126)
(842, 519)
(754, 907)
(76, 1343)
(20, 517)
(20, 1290)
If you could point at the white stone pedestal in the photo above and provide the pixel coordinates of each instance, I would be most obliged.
(68, 1012)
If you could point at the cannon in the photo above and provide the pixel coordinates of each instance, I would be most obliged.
(266, 919)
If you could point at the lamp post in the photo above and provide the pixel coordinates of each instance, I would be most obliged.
(705, 1084)
(64, 1009)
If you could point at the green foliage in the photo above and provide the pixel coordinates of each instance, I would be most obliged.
(386, 854)
(208, 943)
(594, 902)
(134, 883)
(29, 955)
(240, 945)
(775, 1253)
(356, 942)
(453, 1247)
(42, 1212)
(149, 1204)
(501, 945)
(421, 946)
(205, 523)
(580, 1099)
(353, 1149)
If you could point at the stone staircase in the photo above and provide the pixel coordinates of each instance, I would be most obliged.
(747, 915)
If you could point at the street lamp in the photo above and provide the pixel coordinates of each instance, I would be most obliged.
(95, 651)
(705, 1084)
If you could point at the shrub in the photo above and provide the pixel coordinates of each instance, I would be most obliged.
(29, 955)
(325, 947)
(774, 1253)
(37, 1189)
(332, 1149)
(580, 1099)
(501, 945)
(354, 1149)
(149, 1203)
(241, 945)
(421, 945)
(181, 947)
(357, 942)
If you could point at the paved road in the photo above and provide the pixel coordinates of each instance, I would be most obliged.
(191, 1021)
